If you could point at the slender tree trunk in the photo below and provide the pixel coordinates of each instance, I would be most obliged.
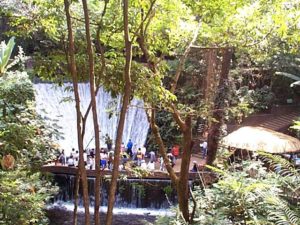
(125, 103)
(77, 181)
(183, 184)
(161, 148)
(94, 110)
(220, 104)
(73, 70)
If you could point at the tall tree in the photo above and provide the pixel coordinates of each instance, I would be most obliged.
(94, 110)
(125, 103)
(73, 71)
(180, 182)
(219, 108)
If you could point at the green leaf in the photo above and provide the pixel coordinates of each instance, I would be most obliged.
(5, 53)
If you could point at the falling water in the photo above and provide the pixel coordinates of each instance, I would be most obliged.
(57, 103)
(131, 193)
(136, 200)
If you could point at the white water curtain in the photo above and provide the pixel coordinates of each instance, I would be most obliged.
(58, 104)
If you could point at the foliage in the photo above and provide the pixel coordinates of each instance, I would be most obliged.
(16, 89)
(170, 132)
(264, 32)
(249, 193)
(5, 53)
(245, 102)
(137, 171)
(168, 190)
(27, 17)
(23, 196)
(262, 98)
(26, 138)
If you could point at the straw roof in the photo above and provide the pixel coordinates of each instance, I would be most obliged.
(262, 139)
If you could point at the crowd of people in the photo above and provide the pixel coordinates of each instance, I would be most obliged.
(131, 153)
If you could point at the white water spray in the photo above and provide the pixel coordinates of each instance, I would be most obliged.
(58, 104)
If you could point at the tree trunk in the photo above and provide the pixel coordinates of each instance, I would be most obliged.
(220, 104)
(94, 110)
(125, 103)
(210, 80)
(76, 197)
(183, 184)
(161, 148)
(73, 70)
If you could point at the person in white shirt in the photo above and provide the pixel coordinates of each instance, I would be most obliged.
(143, 150)
(134, 151)
(203, 146)
(92, 163)
(71, 161)
(143, 165)
(162, 164)
(103, 159)
(151, 165)
(85, 157)
(121, 167)
(110, 160)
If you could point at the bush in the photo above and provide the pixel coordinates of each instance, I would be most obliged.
(251, 194)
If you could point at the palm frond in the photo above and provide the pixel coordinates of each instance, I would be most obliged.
(5, 53)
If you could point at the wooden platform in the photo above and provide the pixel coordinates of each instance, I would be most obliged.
(54, 169)
(278, 119)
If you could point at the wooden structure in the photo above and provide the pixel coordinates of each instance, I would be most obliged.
(208, 177)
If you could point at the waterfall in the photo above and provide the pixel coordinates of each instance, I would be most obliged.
(57, 104)
(131, 193)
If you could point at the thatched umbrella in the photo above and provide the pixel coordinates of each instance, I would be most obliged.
(262, 139)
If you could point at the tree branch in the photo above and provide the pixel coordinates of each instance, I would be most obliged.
(148, 14)
(194, 206)
(162, 149)
(177, 118)
(183, 59)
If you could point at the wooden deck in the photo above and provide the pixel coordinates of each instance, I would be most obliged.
(278, 119)
(55, 169)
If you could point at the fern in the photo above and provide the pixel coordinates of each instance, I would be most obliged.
(289, 180)
(249, 193)
(283, 215)
(281, 165)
